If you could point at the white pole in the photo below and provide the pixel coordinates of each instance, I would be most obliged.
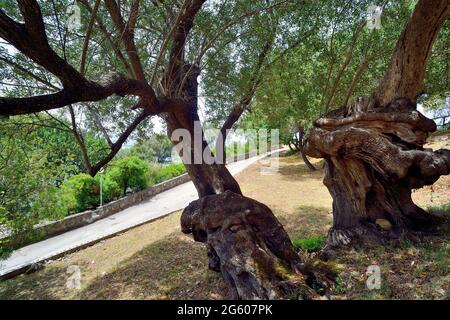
(101, 188)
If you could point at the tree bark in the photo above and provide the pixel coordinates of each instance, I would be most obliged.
(208, 178)
(252, 250)
(245, 241)
(373, 161)
(404, 77)
(301, 139)
(373, 148)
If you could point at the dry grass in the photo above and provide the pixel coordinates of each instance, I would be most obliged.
(156, 261)
(439, 192)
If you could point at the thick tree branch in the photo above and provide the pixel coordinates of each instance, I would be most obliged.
(404, 77)
(134, 14)
(127, 35)
(31, 40)
(16, 106)
(88, 92)
(108, 37)
(118, 144)
(176, 59)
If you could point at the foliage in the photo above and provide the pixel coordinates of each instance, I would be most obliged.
(130, 174)
(159, 173)
(441, 210)
(157, 148)
(81, 191)
(311, 244)
(36, 156)
(110, 189)
(438, 106)
(41, 171)
(38, 152)
(340, 285)
(33, 162)
(342, 60)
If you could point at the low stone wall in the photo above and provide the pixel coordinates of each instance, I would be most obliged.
(81, 219)
(54, 228)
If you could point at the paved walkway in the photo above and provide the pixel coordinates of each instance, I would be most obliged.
(162, 204)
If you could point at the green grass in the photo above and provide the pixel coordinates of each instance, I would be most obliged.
(311, 244)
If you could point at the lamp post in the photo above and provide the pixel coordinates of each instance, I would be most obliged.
(101, 186)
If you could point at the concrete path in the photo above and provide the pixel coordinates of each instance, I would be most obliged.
(177, 198)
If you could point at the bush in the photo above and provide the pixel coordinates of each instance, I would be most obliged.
(53, 204)
(129, 173)
(158, 173)
(81, 192)
(312, 244)
(171, 171)
(110, 188)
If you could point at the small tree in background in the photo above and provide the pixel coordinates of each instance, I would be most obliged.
(130, 173)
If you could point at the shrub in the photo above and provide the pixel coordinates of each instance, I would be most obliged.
(110, 188)
(81, 192)
(129, 173)
(171, 171)
(312, 244)
(53, 204)
(158, 173)
(154, 173)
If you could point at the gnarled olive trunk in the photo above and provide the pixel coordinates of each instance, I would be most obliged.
(373, 161)
(245, 241)
(373, 148)
(250, 248)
